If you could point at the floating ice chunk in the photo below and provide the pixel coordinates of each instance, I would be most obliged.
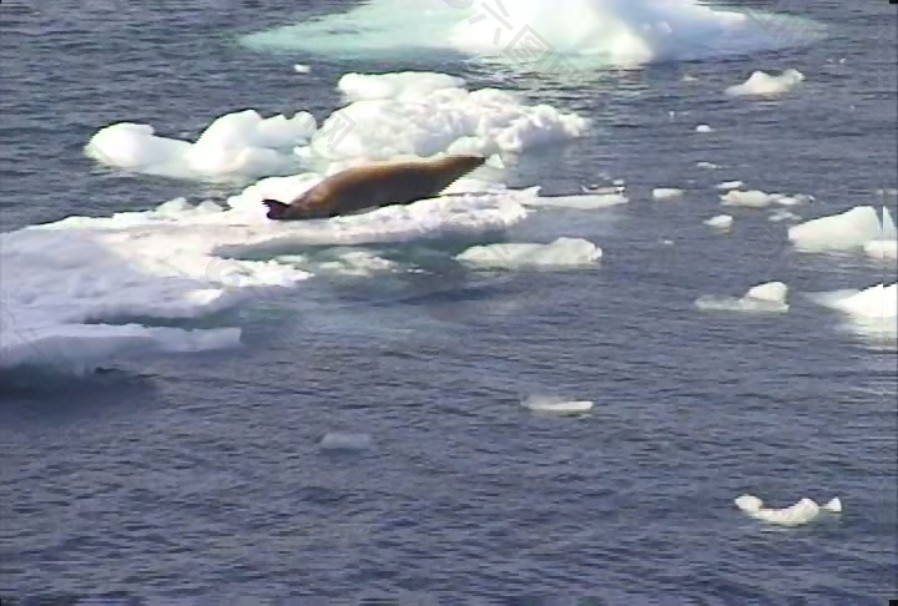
(350, 442)
(764, 298)
(703, 128)
(871, 313)
(802, 512)
(707, 165)
(666, 194)
(833, 505)
(557, 405)
(722, 222)
(851, 229)
(589, 201)
(728, 185)
(764, 84)
(783, 215)
(876, 302)
(241, 144)
(882, 250)
(753, 199)
(301, 69)
(562, 253)
(794, 200)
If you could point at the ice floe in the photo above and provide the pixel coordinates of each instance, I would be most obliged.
(763, 84)
(562, 253)
(802, 512)
(590, 201)
(704, 128)
(764, 298)
(872, 313)
(758, 199)
(82, 291)
(728, 185)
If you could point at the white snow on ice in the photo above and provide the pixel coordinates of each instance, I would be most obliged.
(762, 84)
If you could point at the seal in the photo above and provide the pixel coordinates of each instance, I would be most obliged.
(373, 186)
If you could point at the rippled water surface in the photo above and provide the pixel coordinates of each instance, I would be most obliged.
(202, 478)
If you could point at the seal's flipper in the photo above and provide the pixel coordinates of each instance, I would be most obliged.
(276, 210)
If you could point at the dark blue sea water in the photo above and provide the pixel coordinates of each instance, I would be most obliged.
(200, 479)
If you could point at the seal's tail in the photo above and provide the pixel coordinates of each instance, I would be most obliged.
(276, 210)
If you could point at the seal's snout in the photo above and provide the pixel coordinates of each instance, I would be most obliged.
(276, 209)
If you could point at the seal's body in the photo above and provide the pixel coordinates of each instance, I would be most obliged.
(374, 186)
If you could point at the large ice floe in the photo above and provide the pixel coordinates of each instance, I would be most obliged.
(764, 298)
(388, 116)
(81, 291)
(536, 35)
(863, 227)
(762, 84)
(804, 511)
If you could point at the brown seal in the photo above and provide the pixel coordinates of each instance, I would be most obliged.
(373, 186)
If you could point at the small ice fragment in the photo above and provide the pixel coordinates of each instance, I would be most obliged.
(802, 512)
(752, 199)
(764, 298)
(728, 185)
(667, 193)
(707, 165)
(783, 215)
(720, 222)
(833, 506)
(765, 85)
(345, 441)
(749, 503)
(555, 405)
(562, 253)
(703, 128)
(301, 69)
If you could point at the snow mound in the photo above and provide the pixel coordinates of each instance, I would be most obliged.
(240, 144)
(802, 512)
(562, 253)
(851, 229)
(425, 114)
(764, 298)
(762, 84)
